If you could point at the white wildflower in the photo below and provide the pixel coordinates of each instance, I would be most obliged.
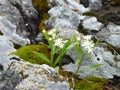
(78, 38)
(51, 32)
(58, 42)
(44, 31)
(54, 36)
(87, 37)
(50, 39)
(65, 41)
(88, 45)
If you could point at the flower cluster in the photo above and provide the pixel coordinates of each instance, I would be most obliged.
(83, 46)
(87, 43)
(59, 42)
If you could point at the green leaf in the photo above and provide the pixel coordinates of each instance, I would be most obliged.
(96, 66)
(57, 69)
(41, 55)
(96, 43)
(67, 47)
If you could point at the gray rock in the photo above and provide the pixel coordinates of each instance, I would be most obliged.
(111, 34)
(9, 30)
(36, 77)
(91, 23)
(95, 4)
(6, 46)
(67, 14)
(19, 18)
(99, 56)
(4, 61)
(64, 18)
(9, 80)
(92, 4)
(74, 5)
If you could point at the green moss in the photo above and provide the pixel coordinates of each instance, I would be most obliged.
(26, 53)
(17, 46)
(82, 30)
(116, 2)
(89, 13)
(90, 83)
(42, 25)
(1, 33)
(96, 79)
(42, 7)
(85, 85)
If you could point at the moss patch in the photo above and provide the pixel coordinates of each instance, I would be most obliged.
(42, 7)
(89, 13)
(1, 33)
(90, 83)
(26, 53)
(116, 2)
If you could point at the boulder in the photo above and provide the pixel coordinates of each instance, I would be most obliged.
(91, 23)
(111, 34)
(19, 19)
(37, 77)
(99, 56)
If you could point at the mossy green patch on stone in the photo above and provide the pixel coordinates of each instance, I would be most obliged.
(42, 25)
(89, 83)
(89, 13)
(26, 53)
(116, 2)
(1, 33)
(42, 7)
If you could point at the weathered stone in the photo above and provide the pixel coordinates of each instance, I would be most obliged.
(37, 77)
(4, 61)
(9, 79)
(91, 23)
(9, 30)
(6, 46)
(64, 18)
(21, 16)
(74, 5)
(111, 34)
(99, 56)
(95, 4)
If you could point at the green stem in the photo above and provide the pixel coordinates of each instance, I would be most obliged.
(52, 56)
(78, 68)
(79, 64)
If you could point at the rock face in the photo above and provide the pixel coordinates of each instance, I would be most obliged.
(17, 25)
(21, 75)
(68, 15)
(17, 20)
(9, 80)
(9, 30)
(65, 14)
(111, 34)
(34, 77)
(99, 56)
(91, 23)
